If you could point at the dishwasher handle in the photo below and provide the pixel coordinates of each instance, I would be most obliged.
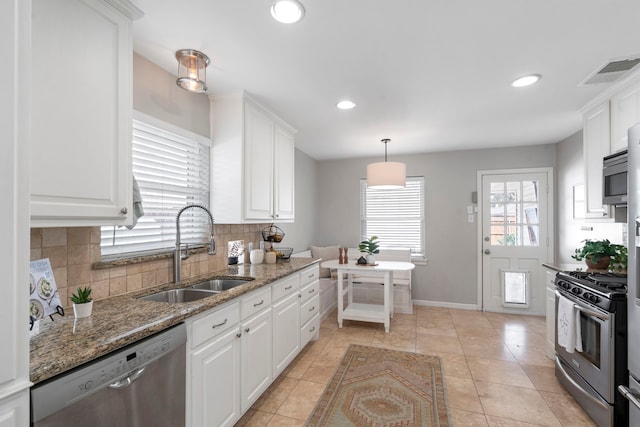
(126, 382)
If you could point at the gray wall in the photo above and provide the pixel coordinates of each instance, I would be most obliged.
(570, 172)
(451, 271)
(300, 234)
(156, 93)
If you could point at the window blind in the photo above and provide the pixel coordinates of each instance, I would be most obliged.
(171, 166)
(396, 216)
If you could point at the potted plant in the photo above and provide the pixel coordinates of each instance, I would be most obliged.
(370, 247)
(82, 302)
(598, 254)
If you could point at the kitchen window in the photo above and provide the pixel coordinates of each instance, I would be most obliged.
(396, 216)
(171, 166)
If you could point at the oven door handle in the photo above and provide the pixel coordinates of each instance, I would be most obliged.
(631, 395)
(586, 310)
(576, 385)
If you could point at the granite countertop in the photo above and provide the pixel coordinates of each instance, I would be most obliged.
(66, 342)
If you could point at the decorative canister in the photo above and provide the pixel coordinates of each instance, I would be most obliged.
(270, 257)
(256, 256)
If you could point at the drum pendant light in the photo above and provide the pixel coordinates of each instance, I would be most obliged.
(192, 66)
(386, 174)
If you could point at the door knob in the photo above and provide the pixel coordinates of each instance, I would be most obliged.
(487, 251)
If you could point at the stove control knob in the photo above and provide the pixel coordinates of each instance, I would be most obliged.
(593, 298)
(576, 291)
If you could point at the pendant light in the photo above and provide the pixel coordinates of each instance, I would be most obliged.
(386, 174)
(192, 66)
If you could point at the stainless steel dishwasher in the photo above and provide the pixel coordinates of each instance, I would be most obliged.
(140, 385)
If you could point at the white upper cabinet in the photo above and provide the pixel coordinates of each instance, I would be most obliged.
(625, 112)
(81, 112)
(596, 145)
(253, 162)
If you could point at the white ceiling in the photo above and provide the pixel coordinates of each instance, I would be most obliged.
(432, 75)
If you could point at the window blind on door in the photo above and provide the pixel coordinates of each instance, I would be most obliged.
(396, 216)
(171, 166)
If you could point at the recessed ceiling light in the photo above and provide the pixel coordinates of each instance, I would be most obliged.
(526, 80)
(287, 11)
(346, 105)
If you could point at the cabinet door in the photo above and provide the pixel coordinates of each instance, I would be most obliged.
(286, 332)
(215, 386)
(551, 315)
(284, 172)
(596, 145)
(258, 164)
(625, 112)
(81, 114)
(256, 358)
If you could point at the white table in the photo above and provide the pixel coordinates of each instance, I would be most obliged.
(366, 312)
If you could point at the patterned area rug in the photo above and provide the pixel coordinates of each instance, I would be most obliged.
(378, 387)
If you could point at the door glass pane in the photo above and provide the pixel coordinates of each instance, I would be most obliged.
(530, 191)
(514, 213)
(513, 192)
(497, 192)
(515, 287)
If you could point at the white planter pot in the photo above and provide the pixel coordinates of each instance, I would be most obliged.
(371, 259)
(83, 310)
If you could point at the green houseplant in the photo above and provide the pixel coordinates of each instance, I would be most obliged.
(82, 302)
(599, 254)
(370, 247)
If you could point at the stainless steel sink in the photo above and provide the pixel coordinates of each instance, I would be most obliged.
(179, 295)
(219, 285)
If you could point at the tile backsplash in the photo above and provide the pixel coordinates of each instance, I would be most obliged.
(74, 251)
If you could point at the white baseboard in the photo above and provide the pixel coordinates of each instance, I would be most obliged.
(445, 304)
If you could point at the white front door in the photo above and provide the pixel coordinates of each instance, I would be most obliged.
(515, 240)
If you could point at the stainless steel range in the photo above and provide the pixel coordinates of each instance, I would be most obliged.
(593, 374)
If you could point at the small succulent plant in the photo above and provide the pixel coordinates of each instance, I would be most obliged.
(82, 296)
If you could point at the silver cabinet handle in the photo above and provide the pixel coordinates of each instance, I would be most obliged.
(258, 303)
(124, 211)
(238, 335)
(487, 251)
(312, 308)
(312, 290)
(312, 329)
(288, 287)
(219, 324)
(247, 330)
(631, 395)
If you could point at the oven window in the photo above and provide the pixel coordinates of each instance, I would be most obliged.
(590, 330)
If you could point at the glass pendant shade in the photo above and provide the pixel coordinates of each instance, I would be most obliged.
(386, 174)
(192, 66)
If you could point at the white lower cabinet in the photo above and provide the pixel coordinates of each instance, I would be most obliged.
(213, 368)
(216, 381)
(286, 332)
(237, 350)
(551, 315)
(255, 368)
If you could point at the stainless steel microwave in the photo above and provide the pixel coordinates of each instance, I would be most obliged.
(614, 179)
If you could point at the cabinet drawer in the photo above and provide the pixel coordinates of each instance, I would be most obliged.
(309, 275)
(255, 302)
(309, 291)
(214, 323)
(286, 286)
(309, 330)
(309, 309)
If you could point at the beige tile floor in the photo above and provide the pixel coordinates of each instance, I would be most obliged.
(496, 371)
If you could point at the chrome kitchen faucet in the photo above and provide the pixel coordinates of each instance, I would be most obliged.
(178, 257)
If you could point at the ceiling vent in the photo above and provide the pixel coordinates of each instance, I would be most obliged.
(611, 71)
